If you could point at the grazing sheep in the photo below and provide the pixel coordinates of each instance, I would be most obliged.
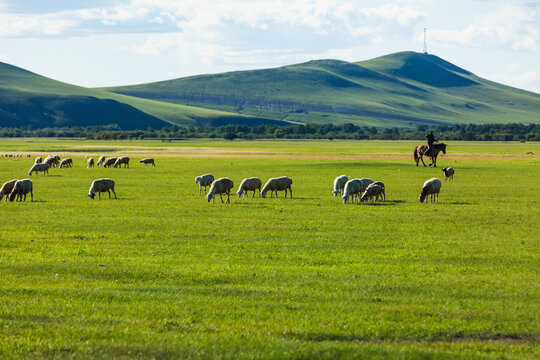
(148, 161)
(22, 187)
(383, 193)
(7, 188)
(109, 162)
(101, 160)
(204, 180)
(372, 193)
(39, 167)
(67, 162)
(249, 184)
(448, 173)
(101, 185)
(431, 187)
(352, 187)
(339, 184)
(38, 160)
(51, 161)
(90, 163)
(277, 184)
(220, 186)
(122, 160)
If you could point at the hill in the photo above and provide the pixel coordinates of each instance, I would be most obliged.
(27, 98)
(401, 89)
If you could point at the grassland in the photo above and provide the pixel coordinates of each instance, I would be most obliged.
(160, 273)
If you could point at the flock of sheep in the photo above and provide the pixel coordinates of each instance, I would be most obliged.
(363, 189)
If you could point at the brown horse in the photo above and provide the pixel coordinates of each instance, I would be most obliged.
(420, 152)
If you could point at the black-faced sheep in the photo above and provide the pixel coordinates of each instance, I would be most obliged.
(431, 187)
(220, 186)
(277, 184)
(148, 161)
(383, 193)
(44, 167)
(122, 160)
(21, 188)
(109, 162)
(204, 180)
(249, 184)
(372, 193)
(100, 161)
(90, 163)
(448, 174)
(101, 185)
(67, 162)
(339, 184)
(6, 189)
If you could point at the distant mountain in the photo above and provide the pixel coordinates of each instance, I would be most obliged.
(30, 99)
(401, 89)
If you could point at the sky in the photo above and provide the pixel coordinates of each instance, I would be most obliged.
(123, 42)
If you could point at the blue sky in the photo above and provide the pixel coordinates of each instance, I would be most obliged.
(119, 42)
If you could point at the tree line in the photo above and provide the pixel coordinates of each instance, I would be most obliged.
(485, 132)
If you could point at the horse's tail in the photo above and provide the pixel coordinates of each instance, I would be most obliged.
(416, 154)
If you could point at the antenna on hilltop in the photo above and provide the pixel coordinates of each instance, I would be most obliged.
(425, 42)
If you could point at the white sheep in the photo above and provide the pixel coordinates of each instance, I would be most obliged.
(339, 184)
(52, 161)
(90, 163)
(102, 185)
(204, 180)
(277, 184)
(431, 187)
(220, 186)
(6, 189)
(67, 162)
(448, 173)
(109, 162)
(249, 184)
(122, 160)
(372, 193)
(39, 167)
(22, 187)
(352, 187)
(100, 161)
(148, 161)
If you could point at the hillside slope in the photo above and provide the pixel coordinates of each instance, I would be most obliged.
(402, 89)
(30, 99)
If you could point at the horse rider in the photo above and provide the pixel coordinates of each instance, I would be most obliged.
(430, 140)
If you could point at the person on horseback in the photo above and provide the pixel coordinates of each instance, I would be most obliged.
(430, 140)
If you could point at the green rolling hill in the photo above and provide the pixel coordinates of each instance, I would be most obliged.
(402, 89)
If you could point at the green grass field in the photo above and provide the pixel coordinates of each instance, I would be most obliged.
(160, 273)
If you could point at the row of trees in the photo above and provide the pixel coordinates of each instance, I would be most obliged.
(487, 132)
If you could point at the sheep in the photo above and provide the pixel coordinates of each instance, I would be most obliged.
(39, 167)
(204, 180)
(22, 187)
(7, 188)
(277, 184)
(249, 184)
(109, 162)
(51, 161)
(448, 173)
(431, 187)
(220, 186)
(101, 160)
(352, 187)
(38, 160)
(147, 161)
(101, 185)
(372, 192)
(383, 192)
(67, 162)
(122, 160)
(90, 163)
(339, 184)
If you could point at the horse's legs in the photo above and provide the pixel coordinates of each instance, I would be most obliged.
(422, 158)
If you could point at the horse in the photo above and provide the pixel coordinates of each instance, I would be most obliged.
(420, 150)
